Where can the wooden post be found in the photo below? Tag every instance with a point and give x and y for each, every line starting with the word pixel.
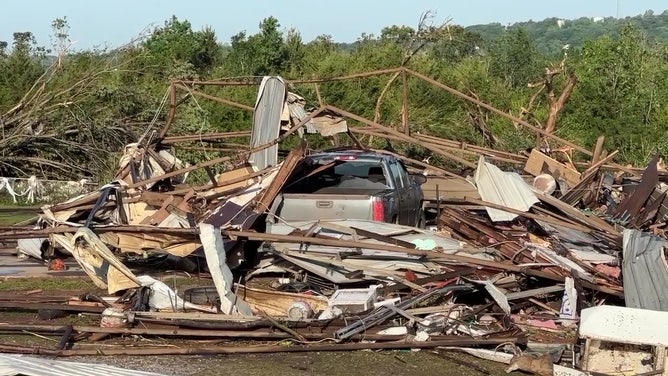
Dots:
pixel 172 110
pixel 317 93
pixel 404 103
pixel 598 149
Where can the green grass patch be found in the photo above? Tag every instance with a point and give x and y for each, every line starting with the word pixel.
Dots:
pixel 46 284
pixel 10 216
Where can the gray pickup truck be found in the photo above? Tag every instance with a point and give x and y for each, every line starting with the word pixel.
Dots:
pixel 351 184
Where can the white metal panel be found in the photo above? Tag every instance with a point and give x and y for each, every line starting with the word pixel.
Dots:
pixel 625 325
pixel 503 188
pixel 13 364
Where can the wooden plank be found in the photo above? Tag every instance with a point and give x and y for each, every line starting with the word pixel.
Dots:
pixel 598 149
pixel 528 215
pixel 590 221
pixel 539 163
pixel 448 188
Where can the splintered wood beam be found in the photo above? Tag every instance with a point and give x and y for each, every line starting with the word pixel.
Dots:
pixel 399 135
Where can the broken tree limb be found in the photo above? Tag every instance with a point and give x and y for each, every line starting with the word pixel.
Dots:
pixel 497 111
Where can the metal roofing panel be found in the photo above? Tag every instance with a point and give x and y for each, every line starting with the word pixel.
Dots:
pixel 645 271
pixel 574 239
pixel 14 364
pixel 267 121
pixel 503 188
pixel 624 325
pixel 409 234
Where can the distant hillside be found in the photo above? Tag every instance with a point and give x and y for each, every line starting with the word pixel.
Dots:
pixel 551 34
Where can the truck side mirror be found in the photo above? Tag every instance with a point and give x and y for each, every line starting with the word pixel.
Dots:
pixel 419 179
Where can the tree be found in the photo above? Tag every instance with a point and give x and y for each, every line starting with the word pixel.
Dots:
pixel 260 54
pixel 516 59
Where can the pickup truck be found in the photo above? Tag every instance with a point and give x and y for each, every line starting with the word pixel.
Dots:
pixel 351 184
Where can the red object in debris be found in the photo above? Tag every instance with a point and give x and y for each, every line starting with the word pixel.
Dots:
pixel 545 324
pixel 57 264
pixel 612 271
pixel 411 276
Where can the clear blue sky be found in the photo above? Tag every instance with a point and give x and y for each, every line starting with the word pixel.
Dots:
pixel 99 23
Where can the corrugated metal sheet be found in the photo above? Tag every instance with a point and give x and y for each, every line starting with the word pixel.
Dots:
pixel 297 112
pixel 13 364
pixel 267 121
pixel 409 234
pixel 316 259
pixel 645 271
pixel 503 188
pixel 574 239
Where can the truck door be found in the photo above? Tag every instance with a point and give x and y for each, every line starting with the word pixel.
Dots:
pixel 413 196
pixel 400 178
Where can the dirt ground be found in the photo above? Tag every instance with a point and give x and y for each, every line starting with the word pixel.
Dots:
pixel 362 363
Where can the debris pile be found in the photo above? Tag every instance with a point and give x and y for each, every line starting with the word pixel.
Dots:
pixel 513 260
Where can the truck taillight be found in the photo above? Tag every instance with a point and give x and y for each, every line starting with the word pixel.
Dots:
pixel 378 210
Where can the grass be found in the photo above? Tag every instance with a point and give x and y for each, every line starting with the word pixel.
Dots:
pixel 46 284
pixel 12 215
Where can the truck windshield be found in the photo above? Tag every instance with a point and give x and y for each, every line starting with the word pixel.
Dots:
pixel 341 175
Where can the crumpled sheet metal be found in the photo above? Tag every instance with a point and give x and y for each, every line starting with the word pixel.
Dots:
pixel 267 121
pixel 502 188
pixel 14 364
pixel 645 271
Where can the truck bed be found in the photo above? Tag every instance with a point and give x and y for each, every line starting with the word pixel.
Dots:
pixel 320 206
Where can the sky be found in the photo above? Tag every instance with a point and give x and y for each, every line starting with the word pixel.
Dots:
pixel 114 23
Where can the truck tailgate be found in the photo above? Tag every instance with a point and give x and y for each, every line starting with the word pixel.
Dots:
pixel 304 207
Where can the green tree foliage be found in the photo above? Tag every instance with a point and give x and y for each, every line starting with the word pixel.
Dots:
pixel 20 67
pixel 262 53
pixel 91 103
pixel 549 38
pixel 515 59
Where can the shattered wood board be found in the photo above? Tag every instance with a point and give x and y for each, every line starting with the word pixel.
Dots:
pixel 380 228
pixel 277 303
pixel 236 210
pixel 539 163
pixel 232 175
pixel 138 243
pixel 428 240
pixel 99 262
pixel 448 188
